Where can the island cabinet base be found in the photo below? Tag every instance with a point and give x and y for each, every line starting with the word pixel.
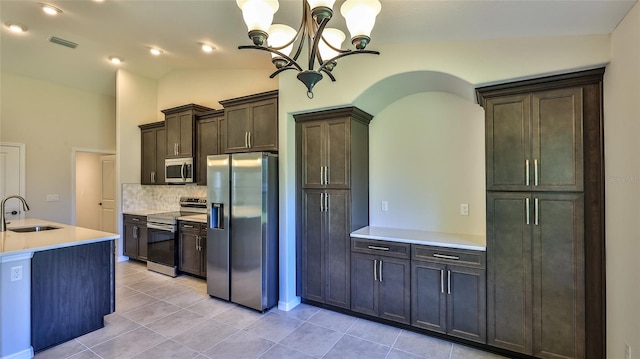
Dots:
pixel 72 289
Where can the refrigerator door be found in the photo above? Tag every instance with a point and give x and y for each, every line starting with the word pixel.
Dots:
pixel 218 229
pixel 253 196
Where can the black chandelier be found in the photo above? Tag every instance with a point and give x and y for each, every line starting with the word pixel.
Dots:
pixel 323 44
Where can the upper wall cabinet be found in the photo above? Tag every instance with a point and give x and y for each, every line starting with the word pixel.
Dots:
pixel 252 123
pixel 153 152
pixel 210 134
pixel 534 141
pixel 180 128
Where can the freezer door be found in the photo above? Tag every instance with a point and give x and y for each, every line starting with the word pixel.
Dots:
pixel 218 229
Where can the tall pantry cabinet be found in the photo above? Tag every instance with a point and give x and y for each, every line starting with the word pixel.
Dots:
pixel 332 199
pixel 545 215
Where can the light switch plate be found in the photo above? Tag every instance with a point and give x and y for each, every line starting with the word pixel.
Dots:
pixel 464 209
pixel 385 206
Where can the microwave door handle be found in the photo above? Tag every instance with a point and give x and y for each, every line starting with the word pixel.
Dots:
pixel 182 171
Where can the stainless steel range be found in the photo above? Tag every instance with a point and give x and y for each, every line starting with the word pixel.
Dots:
pixel 162 240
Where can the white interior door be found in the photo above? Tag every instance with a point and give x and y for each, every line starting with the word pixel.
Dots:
pixel 108 200
pixel 12 174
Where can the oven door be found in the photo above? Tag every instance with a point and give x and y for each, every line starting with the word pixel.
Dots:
pixel 162 247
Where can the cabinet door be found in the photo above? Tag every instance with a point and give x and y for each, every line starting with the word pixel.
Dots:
pixel 364 283
pixel 509 309
pixel 189 254
pixel 337 249
pixel 428 297
pixel 557 140
pixel 312 161
pixel 207 140
pixel 466 303
pixel 203 251
pixel 130 239
pixel 337 158
pixel 142 242
pixel 394 289
pixel 558 276
pixel 160 150
pixel 185 144
pixel 508 143
pixel 148 165
pixel 172 126
pixel 238 126
pixel 264 131
pixel 313 274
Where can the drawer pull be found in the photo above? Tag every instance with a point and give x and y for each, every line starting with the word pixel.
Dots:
pixel 444 256
pixel 187 226
pixel 379 248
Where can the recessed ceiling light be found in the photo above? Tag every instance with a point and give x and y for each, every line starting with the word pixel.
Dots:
pixel 156 51
pixel 116 60
pixel 15 27
pixel 50 9
pixel 207 47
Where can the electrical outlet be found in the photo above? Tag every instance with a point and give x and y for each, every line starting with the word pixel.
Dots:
pixel 385 206
pixel 16 273
pixel 627 351
pixel 464 209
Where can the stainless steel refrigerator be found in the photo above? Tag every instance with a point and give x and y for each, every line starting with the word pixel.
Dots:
pixel 242 231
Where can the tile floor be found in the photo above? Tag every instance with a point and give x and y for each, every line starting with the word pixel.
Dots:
pixel 159 317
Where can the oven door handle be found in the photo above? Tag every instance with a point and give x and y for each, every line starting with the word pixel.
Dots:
pixel 160 227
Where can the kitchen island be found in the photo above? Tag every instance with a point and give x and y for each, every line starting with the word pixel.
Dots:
pixel 55 284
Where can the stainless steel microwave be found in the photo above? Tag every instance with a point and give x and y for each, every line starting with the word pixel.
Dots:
pixel 179 170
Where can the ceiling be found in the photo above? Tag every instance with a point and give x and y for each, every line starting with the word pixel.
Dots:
pixel 127 28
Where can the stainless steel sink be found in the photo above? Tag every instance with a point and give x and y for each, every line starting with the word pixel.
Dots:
pixel 33 229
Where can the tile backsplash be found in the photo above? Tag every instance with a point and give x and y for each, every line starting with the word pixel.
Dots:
pixel 136 197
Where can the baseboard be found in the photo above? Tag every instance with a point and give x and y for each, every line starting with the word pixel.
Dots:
pixel 24 354
pixel 287 306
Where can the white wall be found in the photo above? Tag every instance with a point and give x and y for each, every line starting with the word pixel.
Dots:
pixel 426 158
pixel 52 120
pixel 622 170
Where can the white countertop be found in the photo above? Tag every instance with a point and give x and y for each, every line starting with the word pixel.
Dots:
pixel 12 243
pixel 451 240
pixel 202 218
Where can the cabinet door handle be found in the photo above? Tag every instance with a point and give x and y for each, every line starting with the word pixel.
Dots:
pixel 380 270
pixel 375 269
pixel 535 172
pixel 321 202
pixel 527 205
pixel 526 172
pixel 326 174
pixel 321 175
pixel 246 139
pixel 448 282
pixel 135 232
pixel 378 248
pixel 135 219
pixel 326 202
pixel 441 280
pixel 535 204
pixel 445 256
pixel 250 144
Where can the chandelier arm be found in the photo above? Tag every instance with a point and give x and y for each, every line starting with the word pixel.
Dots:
pixel 278 71
pixel 291 62
pixel 316 41
pixel 333 79
pixel 347 53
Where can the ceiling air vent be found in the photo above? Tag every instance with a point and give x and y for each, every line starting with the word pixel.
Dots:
pixel 63 42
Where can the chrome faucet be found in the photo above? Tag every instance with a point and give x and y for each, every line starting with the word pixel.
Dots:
pixel 25 207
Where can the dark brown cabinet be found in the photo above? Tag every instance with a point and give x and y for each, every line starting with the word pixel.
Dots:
pixel 545 216
pixel 329 213
pixel 380 279
pixel 192 246
pixel 135 236
pixel 210 135
pixel 180 130
pixel 534 141
pixel 252 123
pixel 72 289
pixel 153 143
pixel 326 151
pixel 448 289
pixel 536 273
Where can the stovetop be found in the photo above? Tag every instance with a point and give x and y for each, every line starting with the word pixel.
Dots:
pixel 188 206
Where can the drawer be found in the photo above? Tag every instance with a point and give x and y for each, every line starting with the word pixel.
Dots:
pixel 190 226
pixel 463 257
pixel 132 218
pixel 383 248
